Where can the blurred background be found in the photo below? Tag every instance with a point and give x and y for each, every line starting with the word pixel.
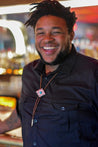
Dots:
pixel 17 48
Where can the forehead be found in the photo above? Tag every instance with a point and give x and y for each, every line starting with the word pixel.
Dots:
pixel 49 20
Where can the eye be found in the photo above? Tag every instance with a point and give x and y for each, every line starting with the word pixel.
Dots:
pixel 40 33
pixel 56 32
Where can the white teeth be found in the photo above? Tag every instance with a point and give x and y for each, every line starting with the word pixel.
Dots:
pixel 48 48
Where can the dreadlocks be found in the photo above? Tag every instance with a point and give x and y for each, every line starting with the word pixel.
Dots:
pixel 49 7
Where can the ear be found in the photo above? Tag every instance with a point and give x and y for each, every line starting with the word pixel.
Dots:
pixel 72 35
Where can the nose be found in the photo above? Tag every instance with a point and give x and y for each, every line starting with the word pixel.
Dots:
pixel 48 38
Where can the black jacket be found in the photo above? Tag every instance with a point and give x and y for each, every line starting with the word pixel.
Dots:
pixel 67 116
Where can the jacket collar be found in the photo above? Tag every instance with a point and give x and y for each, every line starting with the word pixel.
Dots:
pixel 70 60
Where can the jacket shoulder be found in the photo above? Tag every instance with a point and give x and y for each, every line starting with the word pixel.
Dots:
pixel 87 60
pixel 32 64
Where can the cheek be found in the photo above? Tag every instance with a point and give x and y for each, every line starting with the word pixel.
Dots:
pixel 38 40
pixel 63 42
pixel 62 39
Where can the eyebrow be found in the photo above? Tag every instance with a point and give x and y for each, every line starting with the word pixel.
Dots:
pixel 57 28
pixel 38 29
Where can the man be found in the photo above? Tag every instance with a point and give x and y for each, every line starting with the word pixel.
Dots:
pixel 59 99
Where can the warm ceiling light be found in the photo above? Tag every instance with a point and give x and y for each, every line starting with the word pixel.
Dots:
pixel 14 9
pixel 26 8
pixel 81 3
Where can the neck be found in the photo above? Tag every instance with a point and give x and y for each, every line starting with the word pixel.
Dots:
pixel 50 68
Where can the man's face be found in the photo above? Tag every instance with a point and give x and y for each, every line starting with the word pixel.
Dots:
pixel 52 38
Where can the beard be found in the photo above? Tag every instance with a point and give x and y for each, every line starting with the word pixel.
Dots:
pixel 60 57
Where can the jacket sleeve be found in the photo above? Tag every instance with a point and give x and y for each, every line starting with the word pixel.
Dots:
pixel 96 102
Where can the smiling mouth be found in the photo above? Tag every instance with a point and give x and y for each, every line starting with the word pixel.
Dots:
pixel 48 48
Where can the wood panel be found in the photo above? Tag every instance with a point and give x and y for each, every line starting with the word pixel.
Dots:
pixel 18 2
